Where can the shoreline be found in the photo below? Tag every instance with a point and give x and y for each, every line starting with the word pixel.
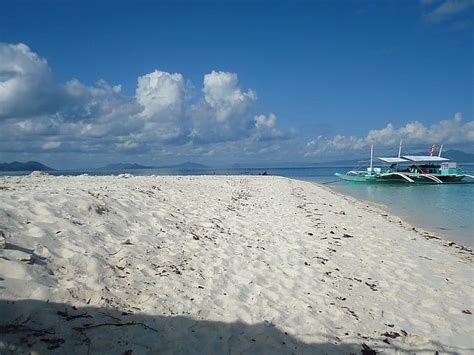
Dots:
pixel 389 212
pixel 417 220
pixel 215 264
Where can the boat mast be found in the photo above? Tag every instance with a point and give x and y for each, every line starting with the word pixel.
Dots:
pixel 371 156
pixel 440 150
pixel 399 152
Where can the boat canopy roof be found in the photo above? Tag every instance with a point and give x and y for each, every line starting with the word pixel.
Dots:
pixel 393 160
pixel 424 158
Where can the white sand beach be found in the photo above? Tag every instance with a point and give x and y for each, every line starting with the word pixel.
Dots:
pixel 221 264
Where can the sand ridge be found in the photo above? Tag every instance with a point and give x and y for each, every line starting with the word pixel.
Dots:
pixel 221 264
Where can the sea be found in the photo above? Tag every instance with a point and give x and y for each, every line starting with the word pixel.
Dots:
pixel 446 210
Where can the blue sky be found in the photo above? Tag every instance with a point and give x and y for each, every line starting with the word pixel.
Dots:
pixel 286 80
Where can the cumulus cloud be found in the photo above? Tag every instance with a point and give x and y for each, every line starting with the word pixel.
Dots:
pixel 266 129
pixel 37 114
pixel 93 102
pixel 33 105
pixel 26 85
pixel 162 96
pixel 264 122
pixel 224 96
pixel 225 111
pixel 160 93
pixel 451 131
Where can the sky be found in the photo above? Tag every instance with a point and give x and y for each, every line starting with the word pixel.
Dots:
pixel 84 84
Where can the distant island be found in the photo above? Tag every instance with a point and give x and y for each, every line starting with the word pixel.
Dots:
pixel 459 156
pixel 453 154
pixel 34 165
pixel 28 166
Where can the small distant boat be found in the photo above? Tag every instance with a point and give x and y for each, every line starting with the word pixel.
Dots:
pixel 420 169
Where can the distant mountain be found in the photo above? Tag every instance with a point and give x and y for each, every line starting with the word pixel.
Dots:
pixel 187 166
pixel 452 154
pixel 459 156
pixel 28 166
pixel 124 166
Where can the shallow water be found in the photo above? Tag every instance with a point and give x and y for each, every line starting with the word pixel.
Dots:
pixel 447 210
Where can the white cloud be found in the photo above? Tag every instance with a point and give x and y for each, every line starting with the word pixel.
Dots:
pixel 452 131
pixel 264 122
pixel 127 145
pixel 26 86
pixel 162 96
pixel 223 95
pixel 266 129
pixel 51 145
pixel 225 111
pixel 164 119
pixel 446 10
pixel 38 114
pixel 160 92
pixel 95 103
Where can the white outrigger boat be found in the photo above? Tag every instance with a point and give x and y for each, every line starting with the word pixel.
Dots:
pixel 418 169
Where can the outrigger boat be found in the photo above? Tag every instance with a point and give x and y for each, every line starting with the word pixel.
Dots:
pixel 421 169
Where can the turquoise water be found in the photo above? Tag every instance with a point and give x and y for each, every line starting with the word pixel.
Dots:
pixel 447 210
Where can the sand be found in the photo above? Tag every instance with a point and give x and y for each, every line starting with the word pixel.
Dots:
pixel 221 264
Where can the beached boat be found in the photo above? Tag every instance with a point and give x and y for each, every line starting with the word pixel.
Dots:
pixel 433 169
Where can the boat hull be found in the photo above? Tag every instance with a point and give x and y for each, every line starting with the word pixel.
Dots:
pixel 392 178
pixel 356 178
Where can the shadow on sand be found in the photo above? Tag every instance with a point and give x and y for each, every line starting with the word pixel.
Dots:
pixel 31 326
pixel 44 327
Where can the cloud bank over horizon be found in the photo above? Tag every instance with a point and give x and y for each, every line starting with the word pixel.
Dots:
pixel 165 119
pixel 38 114
pixel 450 132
